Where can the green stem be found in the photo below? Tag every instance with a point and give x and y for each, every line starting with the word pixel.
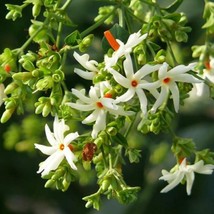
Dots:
pixel 110 157
pixel 121 16
pixel 171 53
pixel 67 3
pixel 97 24
pixel 130 126
pixel 59 35
pixel 22 48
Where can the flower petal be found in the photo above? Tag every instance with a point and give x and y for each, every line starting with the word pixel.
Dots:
pixel 126 96
pixel 60 128
pixel 186 78
pixel 93 93
pixel 161 99
pixel 163 70
pixel 82 107
pixel 70 137
pixel 128 67
pixel 180 69
pixel 92 117
pixel 100 124
pixel 200 168
pixel 120 79
pixel 47 150
pixel 178 177
pixel 50 136
pixel 51 163
pixel 70 157
pixel 84 61
pixel 85 74
pixel 190 176
pixel 145 70
pixel 143 100
pixel 81 95
pixel 175 95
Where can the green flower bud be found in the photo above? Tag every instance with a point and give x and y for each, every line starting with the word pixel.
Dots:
pixel 98 78
pixel 105 184
pixel 45 83
pixel 15 11
pixel 181 36
pixel 46 110
pixel 39 108
pixel 22 76
pixel 89 204
pixel 57 174
pixel 118 89
pixel 50 183
pixel 160 56
pixel 31 56
pixel 36 9
pixel 42 35
pixel 112 131
pixel 11 104
pixel 88 40
pixel 7 115
pixel 141 59
pixel 28 65
pixel 10 88
pixel 37 73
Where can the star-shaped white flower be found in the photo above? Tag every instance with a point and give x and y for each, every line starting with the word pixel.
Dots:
pixel 60 147
pixel 2 94
pixel 187 172
pixel 99 104
pixel 208 74
pixel 135 82
pixel 89 65
pixel 167 82
pixel 123 49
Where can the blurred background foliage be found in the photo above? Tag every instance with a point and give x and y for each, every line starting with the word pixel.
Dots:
pixel 21 188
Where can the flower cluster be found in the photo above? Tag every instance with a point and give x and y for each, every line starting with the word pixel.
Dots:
pixel 138 85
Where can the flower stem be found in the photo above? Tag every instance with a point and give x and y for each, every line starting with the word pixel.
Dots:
pixel 97 24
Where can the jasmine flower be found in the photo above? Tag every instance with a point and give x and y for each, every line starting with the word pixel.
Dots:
pixel 185 172
pixel 167 79
pixel 60 147
pixel 99 105
pixel 135 82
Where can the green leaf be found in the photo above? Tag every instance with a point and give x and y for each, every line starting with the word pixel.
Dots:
pixel 174 6
pixel 72 38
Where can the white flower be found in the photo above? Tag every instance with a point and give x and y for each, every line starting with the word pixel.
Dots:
pixel 208 74
pixel 134 82
pixel 133 40
pixel 167 82
pixel 2 94
pixel 99 105
pixel 89 65
pixel 60 147
pixel 187 172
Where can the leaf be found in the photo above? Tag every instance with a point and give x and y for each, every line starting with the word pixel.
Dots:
pixel 72 38
pixel 174 6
